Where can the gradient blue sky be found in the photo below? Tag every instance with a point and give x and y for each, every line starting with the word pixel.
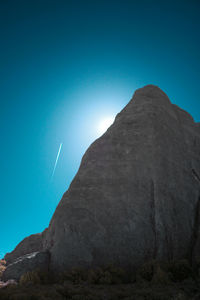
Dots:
pixel 64 66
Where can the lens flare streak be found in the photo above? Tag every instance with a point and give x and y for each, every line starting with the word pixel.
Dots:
pixel 56 161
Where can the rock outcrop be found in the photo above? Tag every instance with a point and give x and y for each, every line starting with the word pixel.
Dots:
pixel 33 243
pixel 136 195
pixel 27 263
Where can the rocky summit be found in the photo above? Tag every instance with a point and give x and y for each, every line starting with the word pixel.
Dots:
pixel 136 195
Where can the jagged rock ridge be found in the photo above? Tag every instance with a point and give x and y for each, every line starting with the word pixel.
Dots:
pixel 136 195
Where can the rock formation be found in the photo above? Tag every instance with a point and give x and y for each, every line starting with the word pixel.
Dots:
pixel 136 195
pixel 33 243
pixel 27 263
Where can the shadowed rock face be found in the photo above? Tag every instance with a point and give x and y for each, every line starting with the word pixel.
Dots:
pixel 136 195
pixel 27 263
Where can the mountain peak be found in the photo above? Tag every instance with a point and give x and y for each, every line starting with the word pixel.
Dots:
pixel 152 92
pixel 135 188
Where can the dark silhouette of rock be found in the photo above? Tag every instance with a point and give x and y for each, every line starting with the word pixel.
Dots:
pixel 136 195
pixel 30 244
pixel 27 263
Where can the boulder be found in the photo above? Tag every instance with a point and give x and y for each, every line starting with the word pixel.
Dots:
pixel 27 263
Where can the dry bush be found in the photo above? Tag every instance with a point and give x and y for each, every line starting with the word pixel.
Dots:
pixel 99 276
pixel 30 277
pixel 2 267
pixel 106 275
pixel 75 275
pixel 36 277
pixel 165 272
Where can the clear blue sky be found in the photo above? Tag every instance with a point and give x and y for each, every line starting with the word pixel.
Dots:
pixel 65 65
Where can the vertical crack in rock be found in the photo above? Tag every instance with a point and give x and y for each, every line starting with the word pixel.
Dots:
pixel 153 219
pixel 196 176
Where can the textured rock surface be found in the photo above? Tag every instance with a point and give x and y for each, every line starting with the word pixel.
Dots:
pixel 30 244
pixel 27 263
pixel 136 195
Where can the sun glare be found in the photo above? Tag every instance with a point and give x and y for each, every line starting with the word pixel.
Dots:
pixel 104 124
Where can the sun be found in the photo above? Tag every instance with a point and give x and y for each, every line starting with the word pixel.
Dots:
pixel 104 124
